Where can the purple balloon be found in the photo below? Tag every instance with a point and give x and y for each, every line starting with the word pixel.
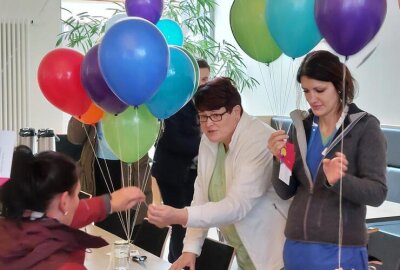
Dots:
pixel 150 10
pixel 96 86
pixel 348 25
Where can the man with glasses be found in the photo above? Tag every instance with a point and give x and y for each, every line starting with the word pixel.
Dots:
pixel 175 162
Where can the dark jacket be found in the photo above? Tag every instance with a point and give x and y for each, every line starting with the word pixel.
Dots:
pixel 178 145
pixel 314 213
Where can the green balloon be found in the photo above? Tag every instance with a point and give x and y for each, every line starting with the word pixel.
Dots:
pixel 131 133
pixel 247 19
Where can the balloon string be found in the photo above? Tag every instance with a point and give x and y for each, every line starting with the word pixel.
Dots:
pixel 273 89
pixel 102 173
pixel 292 84
pixel 340 231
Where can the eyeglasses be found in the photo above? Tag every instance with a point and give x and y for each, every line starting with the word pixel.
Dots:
pixel 215 117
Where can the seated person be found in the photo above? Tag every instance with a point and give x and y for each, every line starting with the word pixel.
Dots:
pixel 41 212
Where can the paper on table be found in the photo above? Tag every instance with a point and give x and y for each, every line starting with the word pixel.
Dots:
pixel 8 141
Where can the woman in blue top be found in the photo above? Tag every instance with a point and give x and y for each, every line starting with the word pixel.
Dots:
pixel 322 164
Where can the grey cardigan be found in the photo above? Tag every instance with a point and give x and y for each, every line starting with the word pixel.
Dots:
pixel 314 213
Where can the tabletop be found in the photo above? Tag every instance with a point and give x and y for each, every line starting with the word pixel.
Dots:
pixel 100 258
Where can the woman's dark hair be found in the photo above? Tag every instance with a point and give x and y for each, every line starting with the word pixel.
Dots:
pixel 216 94
pixel 203 64
pixel 325 66
pixel 35 180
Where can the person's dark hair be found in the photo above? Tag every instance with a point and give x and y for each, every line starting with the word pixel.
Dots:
pixel 203 64
pixel 325 66
pixel 217 93
pixel 35 180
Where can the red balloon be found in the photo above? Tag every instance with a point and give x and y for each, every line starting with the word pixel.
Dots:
pixel 60 81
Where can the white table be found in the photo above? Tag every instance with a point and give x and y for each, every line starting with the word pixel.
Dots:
pixel 386 211
pixel 100 258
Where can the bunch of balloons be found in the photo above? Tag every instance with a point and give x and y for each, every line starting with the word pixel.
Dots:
pixel 137 75
pixel 266 28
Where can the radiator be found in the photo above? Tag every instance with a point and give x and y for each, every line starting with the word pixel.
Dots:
pixel 14 78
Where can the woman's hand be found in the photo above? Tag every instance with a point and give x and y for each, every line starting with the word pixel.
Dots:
pixel 125 198
pixel 187 259
pixel 164 215
pixel 276 142
pixel 335 168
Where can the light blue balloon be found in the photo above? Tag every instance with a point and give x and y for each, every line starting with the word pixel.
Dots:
pixel 177 88
pixel 114 19
pixel 292 25
pixel 171 31
pixel 134 59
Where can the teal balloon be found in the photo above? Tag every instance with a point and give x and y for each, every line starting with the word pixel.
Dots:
pixel 131 133
pixel 196 69
pixel 177 88
pixel 171 31
pixel 293 26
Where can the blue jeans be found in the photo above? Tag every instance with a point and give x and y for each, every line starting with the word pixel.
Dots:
pixel 315 256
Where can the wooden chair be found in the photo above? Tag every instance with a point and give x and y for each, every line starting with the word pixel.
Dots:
pixel 215 255
pixel 151 238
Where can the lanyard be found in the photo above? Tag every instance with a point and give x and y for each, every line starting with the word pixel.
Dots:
pixel 315 128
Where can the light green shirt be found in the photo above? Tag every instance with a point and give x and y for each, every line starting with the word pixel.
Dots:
pixel 217 192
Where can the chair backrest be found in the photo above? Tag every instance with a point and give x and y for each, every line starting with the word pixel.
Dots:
pixel 151 238
pixel 215 255
pixel 392 135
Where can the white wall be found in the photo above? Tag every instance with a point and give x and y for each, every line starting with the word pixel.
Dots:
pixel 378 77
pixel 45 15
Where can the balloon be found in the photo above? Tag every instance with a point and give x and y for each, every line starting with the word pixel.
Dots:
pixel 177 88
pixel 348 25
pixel 248 26
pixel 196 68
pixel 114 19
pixel 59 79
pixel 171 31
pixel 131 133
pixel 133 57
pixel 292 25
pixel 96 86
pixel 91 116
pixel 150 10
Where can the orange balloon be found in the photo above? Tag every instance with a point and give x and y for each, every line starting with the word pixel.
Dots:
pixel 92 115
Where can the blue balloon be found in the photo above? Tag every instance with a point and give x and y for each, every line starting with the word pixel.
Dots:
pixel 292 25
pixel 177 88
pixel 171 31
pixel 134 59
